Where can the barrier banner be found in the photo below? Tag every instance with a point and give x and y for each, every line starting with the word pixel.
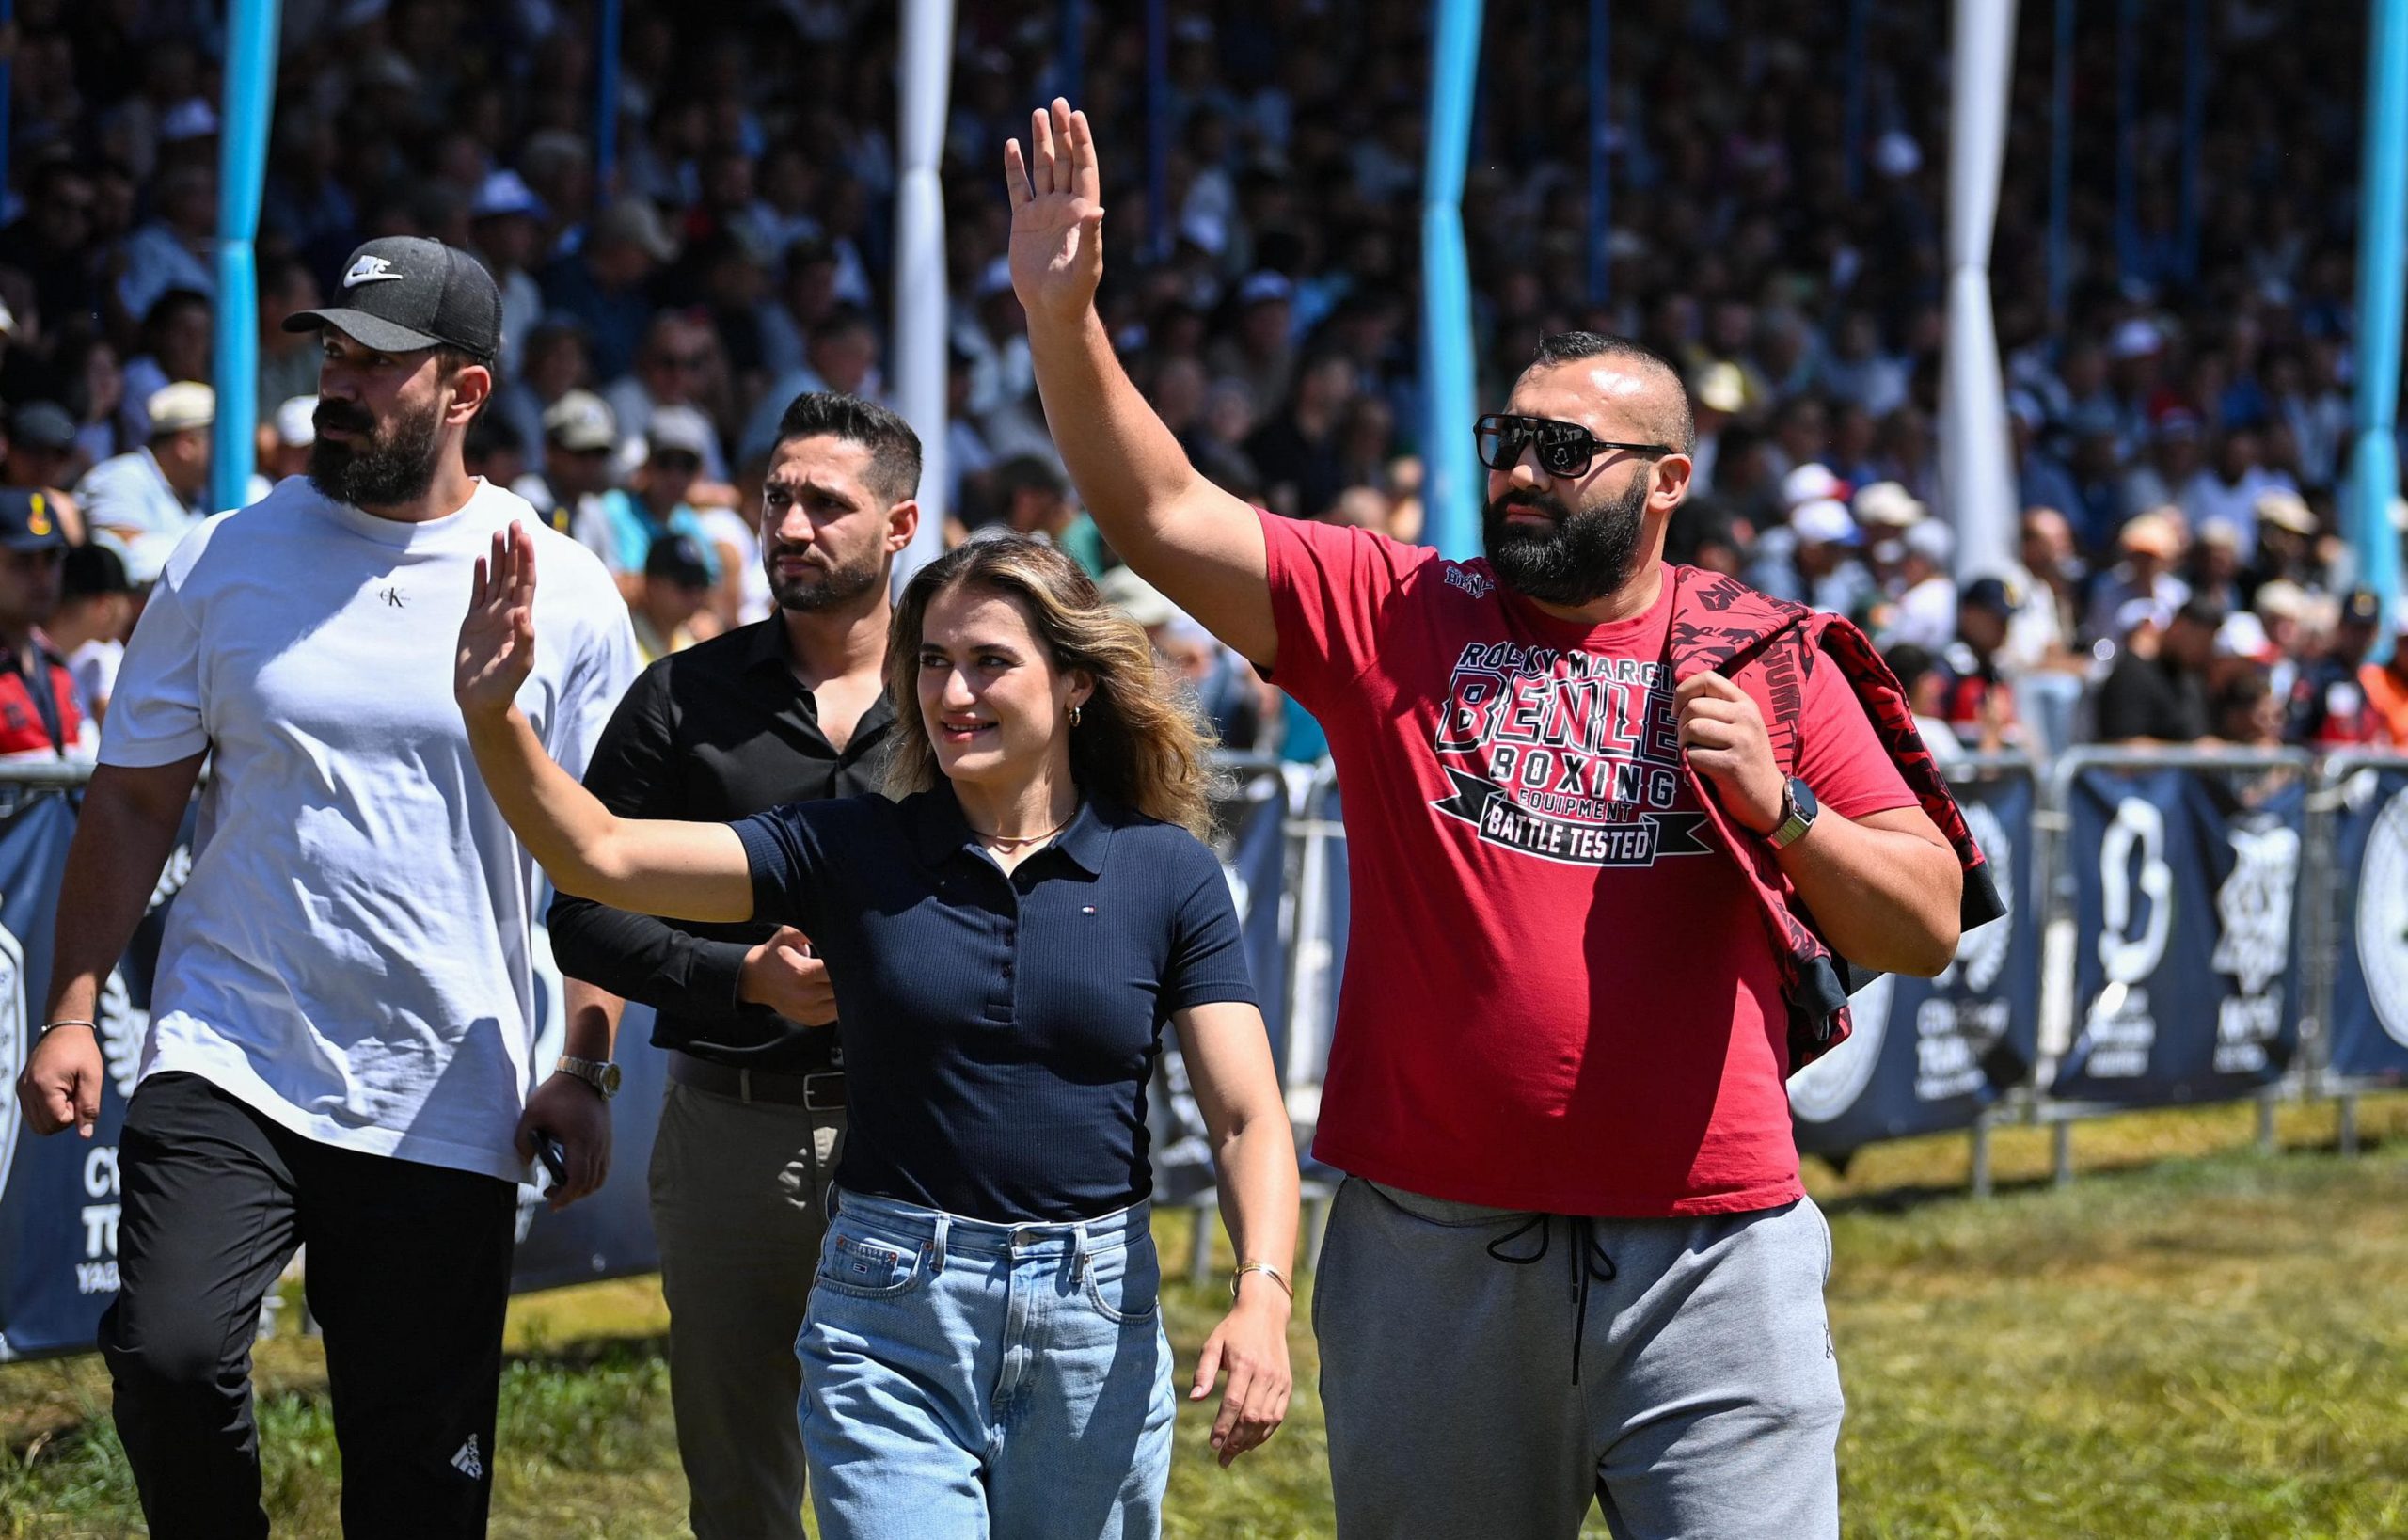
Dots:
pixel 58 1195
pixel 2369 1021
pixel 1255 865
pixel 1928 1055
pixel 2183 981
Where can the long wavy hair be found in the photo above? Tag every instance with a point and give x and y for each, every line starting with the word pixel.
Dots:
pixel 1136 743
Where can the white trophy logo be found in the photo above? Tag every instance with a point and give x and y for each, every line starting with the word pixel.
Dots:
pixel 2383 917
pixel 15 1041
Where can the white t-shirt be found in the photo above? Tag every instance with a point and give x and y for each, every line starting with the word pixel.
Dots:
pixel 1927 615
pixel 350 953
pixel 726 527
pixel 93 667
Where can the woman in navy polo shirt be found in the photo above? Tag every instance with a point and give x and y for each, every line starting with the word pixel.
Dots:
pixel 1006 934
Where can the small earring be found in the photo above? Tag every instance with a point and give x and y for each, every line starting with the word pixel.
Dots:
pixel 1074 713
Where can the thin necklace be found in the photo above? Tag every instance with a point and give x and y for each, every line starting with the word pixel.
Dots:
pixel 1026 839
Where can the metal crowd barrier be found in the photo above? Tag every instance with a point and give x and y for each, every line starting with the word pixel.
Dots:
pixel 1297 933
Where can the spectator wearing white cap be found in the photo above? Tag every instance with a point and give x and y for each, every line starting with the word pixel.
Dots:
pixel 290 433
pixel 1817 564
pixel 581 447
pixel 163 487
pixel 1886 508
pixel 1926 612
pixel 656 504
pixel 506 231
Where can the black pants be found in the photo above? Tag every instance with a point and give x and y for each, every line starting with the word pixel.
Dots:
pixel 409 1273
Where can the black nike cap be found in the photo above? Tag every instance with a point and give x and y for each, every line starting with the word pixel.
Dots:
pixel 403 292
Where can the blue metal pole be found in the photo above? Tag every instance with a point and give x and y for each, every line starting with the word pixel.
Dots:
pixel 2128 108
pixel 1852 99
pixel 1158 220
pixel 2061 164
pixel 1448 391
pixel 1069 57
pixel 2382 242
pixel 1601 184
pixel 605 102
pixel 242 178
pixel 2195 127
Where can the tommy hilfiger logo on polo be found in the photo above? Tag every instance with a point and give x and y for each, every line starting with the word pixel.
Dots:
pixel 469 1462
pixel 371 270
pixel 1567 756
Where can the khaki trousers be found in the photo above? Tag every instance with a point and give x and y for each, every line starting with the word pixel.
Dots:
pixel 738 1206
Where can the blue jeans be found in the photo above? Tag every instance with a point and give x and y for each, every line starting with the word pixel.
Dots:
pixel 967 1380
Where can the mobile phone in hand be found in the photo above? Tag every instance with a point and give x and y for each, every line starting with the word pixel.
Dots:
pixel 555 1157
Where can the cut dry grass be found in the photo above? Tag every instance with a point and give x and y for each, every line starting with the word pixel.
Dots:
pixel 2190 1341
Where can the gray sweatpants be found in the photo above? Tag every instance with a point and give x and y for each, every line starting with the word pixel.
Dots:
pixel 1707 1399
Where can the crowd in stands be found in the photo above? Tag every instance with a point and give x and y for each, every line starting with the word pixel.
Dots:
pixel 2180 421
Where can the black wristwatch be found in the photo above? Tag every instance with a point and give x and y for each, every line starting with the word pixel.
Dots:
pixel 1798 810
pixel 601 1075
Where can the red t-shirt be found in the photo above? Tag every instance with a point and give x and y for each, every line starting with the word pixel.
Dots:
pixel 26 730
pixel 1568 1004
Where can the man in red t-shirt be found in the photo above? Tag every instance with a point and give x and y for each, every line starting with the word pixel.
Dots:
pixel 39 717
pixel 1573 1261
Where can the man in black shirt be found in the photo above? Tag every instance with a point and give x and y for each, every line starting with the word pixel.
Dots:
pixel 787 708
pixel 2157 691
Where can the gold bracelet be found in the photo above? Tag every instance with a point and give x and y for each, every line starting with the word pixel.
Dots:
pixel 1263 1267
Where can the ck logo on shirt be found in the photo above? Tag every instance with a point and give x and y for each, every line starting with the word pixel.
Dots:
pixel 393 597
pixel 1566 756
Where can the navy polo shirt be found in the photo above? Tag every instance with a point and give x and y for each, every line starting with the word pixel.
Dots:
pixel 999 1032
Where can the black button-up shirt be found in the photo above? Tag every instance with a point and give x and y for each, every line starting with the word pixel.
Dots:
pixel 999 1030
pixel 716 732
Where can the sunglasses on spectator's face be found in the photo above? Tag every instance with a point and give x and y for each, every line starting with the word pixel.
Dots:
pixel 682 360
pixel 1564 449
pixel 676 464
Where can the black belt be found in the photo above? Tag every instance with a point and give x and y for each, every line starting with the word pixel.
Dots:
pixel 821 1092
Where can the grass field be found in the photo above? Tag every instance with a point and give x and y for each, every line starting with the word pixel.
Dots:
pixel 2192 1339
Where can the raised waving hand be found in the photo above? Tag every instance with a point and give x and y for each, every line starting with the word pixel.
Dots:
pixel 1057 214
pixel 497 635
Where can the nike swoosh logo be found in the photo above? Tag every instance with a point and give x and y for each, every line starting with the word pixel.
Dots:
pixel 372 277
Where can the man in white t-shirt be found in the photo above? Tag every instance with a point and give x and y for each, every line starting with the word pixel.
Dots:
pixel 342 1025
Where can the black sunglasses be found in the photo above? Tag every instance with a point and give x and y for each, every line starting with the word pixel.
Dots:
pixel 1564 449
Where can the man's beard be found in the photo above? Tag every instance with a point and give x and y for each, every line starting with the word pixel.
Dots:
pixel 392 467
pixel 1584 557
pixel 826 589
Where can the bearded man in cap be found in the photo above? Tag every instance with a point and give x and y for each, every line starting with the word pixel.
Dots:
pixel 342 1039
